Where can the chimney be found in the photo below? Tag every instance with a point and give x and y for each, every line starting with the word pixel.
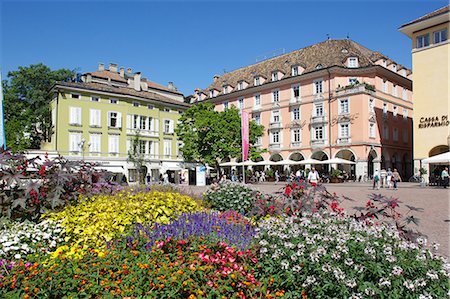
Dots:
pixel 129 71
pixel 101 67
pixel 137 81
pixel 113 67
pixel 88 78
pixel 122 72
pixel 171 86
pixel 144 86
pixel 216 78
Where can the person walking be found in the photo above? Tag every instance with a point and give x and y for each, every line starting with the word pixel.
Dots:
pixel 376 180
pixel 389 178
pixel 382 178
pixel 444 177
pixel 313 177
pixel 263 176
pixel 277 176
pixel 396 178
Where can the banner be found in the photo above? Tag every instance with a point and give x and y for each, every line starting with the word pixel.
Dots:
pixel 2 122
pixel 245 135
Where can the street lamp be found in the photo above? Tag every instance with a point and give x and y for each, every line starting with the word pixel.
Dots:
pixel 83 145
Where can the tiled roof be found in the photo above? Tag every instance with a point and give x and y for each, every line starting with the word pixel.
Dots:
pixel 328 53
pixel 123 91
pixel 108 75
pixel 435 13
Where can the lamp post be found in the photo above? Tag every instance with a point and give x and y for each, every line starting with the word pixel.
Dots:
pixel 83 144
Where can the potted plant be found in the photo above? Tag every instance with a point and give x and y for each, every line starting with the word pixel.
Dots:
pixel 270 174
pixel 335 176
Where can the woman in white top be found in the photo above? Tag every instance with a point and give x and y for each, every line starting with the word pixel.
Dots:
pixel 313 177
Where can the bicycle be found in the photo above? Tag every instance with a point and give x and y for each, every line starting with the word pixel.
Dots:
pixel 415 179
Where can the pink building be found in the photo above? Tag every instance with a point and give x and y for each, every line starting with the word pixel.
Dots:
pixel 332 99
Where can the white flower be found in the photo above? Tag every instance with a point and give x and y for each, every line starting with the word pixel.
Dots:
pixel 17 256
pixel 284 264
pixel 309 281
pixel 369 292
pixel 432 275
pixel 384 282
pixel 397 271
pixel 409 285
pixel 351 283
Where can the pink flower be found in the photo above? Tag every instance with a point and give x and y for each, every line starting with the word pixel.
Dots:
pixel 159 244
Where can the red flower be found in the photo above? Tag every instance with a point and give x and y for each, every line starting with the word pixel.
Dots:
pixel 288 191
pixel 42 170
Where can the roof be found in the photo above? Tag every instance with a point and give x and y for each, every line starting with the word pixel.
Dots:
pixel 327 54
pixel 435 13
pixel 148 95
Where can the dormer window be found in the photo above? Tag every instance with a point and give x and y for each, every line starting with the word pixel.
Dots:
pixel 394 67
pixel 226 89
pixel 257 81
pixel 384 63
pixel 295 70
pixel 352 62
pixel 274 76
pixel 211 93
pixel 319 66
pixel 241 85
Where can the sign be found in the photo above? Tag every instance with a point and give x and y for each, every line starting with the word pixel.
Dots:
pixel 2 123
pixel 245 135
pixel 200 174
pixel 432 122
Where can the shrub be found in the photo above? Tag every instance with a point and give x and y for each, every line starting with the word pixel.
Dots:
pixel 19 239
pixel 173 269
pixel 337 256
pixel 230 196
pixel 105 217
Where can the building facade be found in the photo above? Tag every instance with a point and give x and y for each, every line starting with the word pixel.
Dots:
pixel 332 99
pixel 430 61
pixel 111 113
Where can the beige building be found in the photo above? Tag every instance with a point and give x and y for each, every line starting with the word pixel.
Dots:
pixel 430 64
pixel 334 99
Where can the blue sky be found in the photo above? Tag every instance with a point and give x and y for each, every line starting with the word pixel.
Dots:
pixel 188 42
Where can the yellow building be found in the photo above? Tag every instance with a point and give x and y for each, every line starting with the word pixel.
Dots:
pixel 430 65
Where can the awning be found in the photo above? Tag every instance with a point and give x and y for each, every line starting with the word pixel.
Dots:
pixel 441 159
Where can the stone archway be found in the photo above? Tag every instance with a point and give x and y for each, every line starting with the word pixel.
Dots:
pixel 276 158
pixel 347 154
pixel 435 170
pixel 370 163
pixel 296 156
pixel 321 156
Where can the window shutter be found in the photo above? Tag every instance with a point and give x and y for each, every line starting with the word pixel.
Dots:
pixel 129 116
pixel 128 145
pixel 119 120
pixel 171 127
pixel 78 115
pixel 156 146
pixel 156 122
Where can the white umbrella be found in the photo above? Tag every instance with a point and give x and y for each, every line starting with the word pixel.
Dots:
pixel 290 162
pixel 247 163
pixel 273 162
pixel 338 161
pixel 229 164
pixel 442 159
pixel 310 161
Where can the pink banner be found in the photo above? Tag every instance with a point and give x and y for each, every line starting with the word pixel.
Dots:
pixel 245 135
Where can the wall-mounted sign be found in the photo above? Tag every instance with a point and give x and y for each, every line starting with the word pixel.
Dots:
pixel 432 122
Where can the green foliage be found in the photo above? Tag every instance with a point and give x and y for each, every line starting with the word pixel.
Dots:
pixel 99 219
pixel 231 196
pixel 335 173
pixel 209 136
pixel 26 105
pixel 422 171
pixel 136 157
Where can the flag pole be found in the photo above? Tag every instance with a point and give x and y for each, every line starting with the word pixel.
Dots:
pixel 245 140
pixel 2 118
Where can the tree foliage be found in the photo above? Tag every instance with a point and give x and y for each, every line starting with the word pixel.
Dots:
pixel 26 105
pixel 209 136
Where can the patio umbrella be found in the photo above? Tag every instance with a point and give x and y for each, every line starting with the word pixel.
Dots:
pixel 247 163
pixel 229 164
pixel 338 161
pixel 441 159
pixel 310 161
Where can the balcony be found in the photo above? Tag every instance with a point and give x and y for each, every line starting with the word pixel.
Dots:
pixel 318 97
pixel 276 104
pixel 319 119
pixel 296 144
pixel 274 147
pixel 143 133
pixel 318 142
pixel 256 108
pixel 295 101
pixel 275 126
pixel 295 124
pixel 355 88
pixel 343 140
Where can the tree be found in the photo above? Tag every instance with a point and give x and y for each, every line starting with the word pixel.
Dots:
pixel 136 156
pixel 26 105
pixel 209 136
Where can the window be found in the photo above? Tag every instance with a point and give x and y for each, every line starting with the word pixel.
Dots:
pixel 404 94
pixel 343 106
pixel 394 89
pixel 276 116
pixel 113 101
pixel 353 62
pixel 405 114
pixel 275 96
pixel 142 147
pixel 94 118
pixel 114 119
pixel 257 81
pixel 296 91
pixel 318 87
pixel 96 141
pixel 151 107
pixel 166 109
pixel 371 130
pixel 274 76
pixel 143 123
pixel 385 109
pixel 257 100
pixel 75 96
pixel 225 105
pixel 135 122
pixel 422 41
pixel 167 148
pixel 318 133
pixel 276 137
pixel 241 103
pixel 74 142
pixel 371 105
pixel 385 132
pixel 257 118
pixel 211 93
pixel 154 149
pixel 135 104
pixel 296 135
pixel 395 134
pixel 75 115
pixel 344 130
pixel 385 86
pixel 225 89
pixel 113 141
pixel 318 111
pixel 405 136
pixel 167 126
pixel 240 85
pixel 95 99
pixel 395 111
pixel 384 63
pixel 296 113
pixel 258 141
pixel 295 71
pixel 440 36
pixel 352 81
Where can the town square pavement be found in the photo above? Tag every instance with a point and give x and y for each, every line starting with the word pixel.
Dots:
pixel 434 217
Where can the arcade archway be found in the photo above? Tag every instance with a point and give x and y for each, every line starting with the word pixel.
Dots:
pixel 321 156
pixel 348 168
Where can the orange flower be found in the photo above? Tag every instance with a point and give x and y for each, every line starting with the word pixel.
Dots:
pixel 26 296
pixel 191 296
pixel 36 290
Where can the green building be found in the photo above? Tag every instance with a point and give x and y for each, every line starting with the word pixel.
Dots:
pixel 111 112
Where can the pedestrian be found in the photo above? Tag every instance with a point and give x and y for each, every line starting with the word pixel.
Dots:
pixel 382 179
pixel 396 178
pixel 298 175
pixel 376 180
pixel 257 174
pixel 263 176
pixel 166 178
pixel 444 177
pixel 313 177
pixel 277 176
pixel 389 178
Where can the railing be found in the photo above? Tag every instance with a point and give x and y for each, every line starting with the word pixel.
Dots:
pixel 318 119
pixel 275 125
pixel 144 133
pixel 355 89
pixel 318 142
pixel 274 146
pixel 296 144
pixel 344 140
